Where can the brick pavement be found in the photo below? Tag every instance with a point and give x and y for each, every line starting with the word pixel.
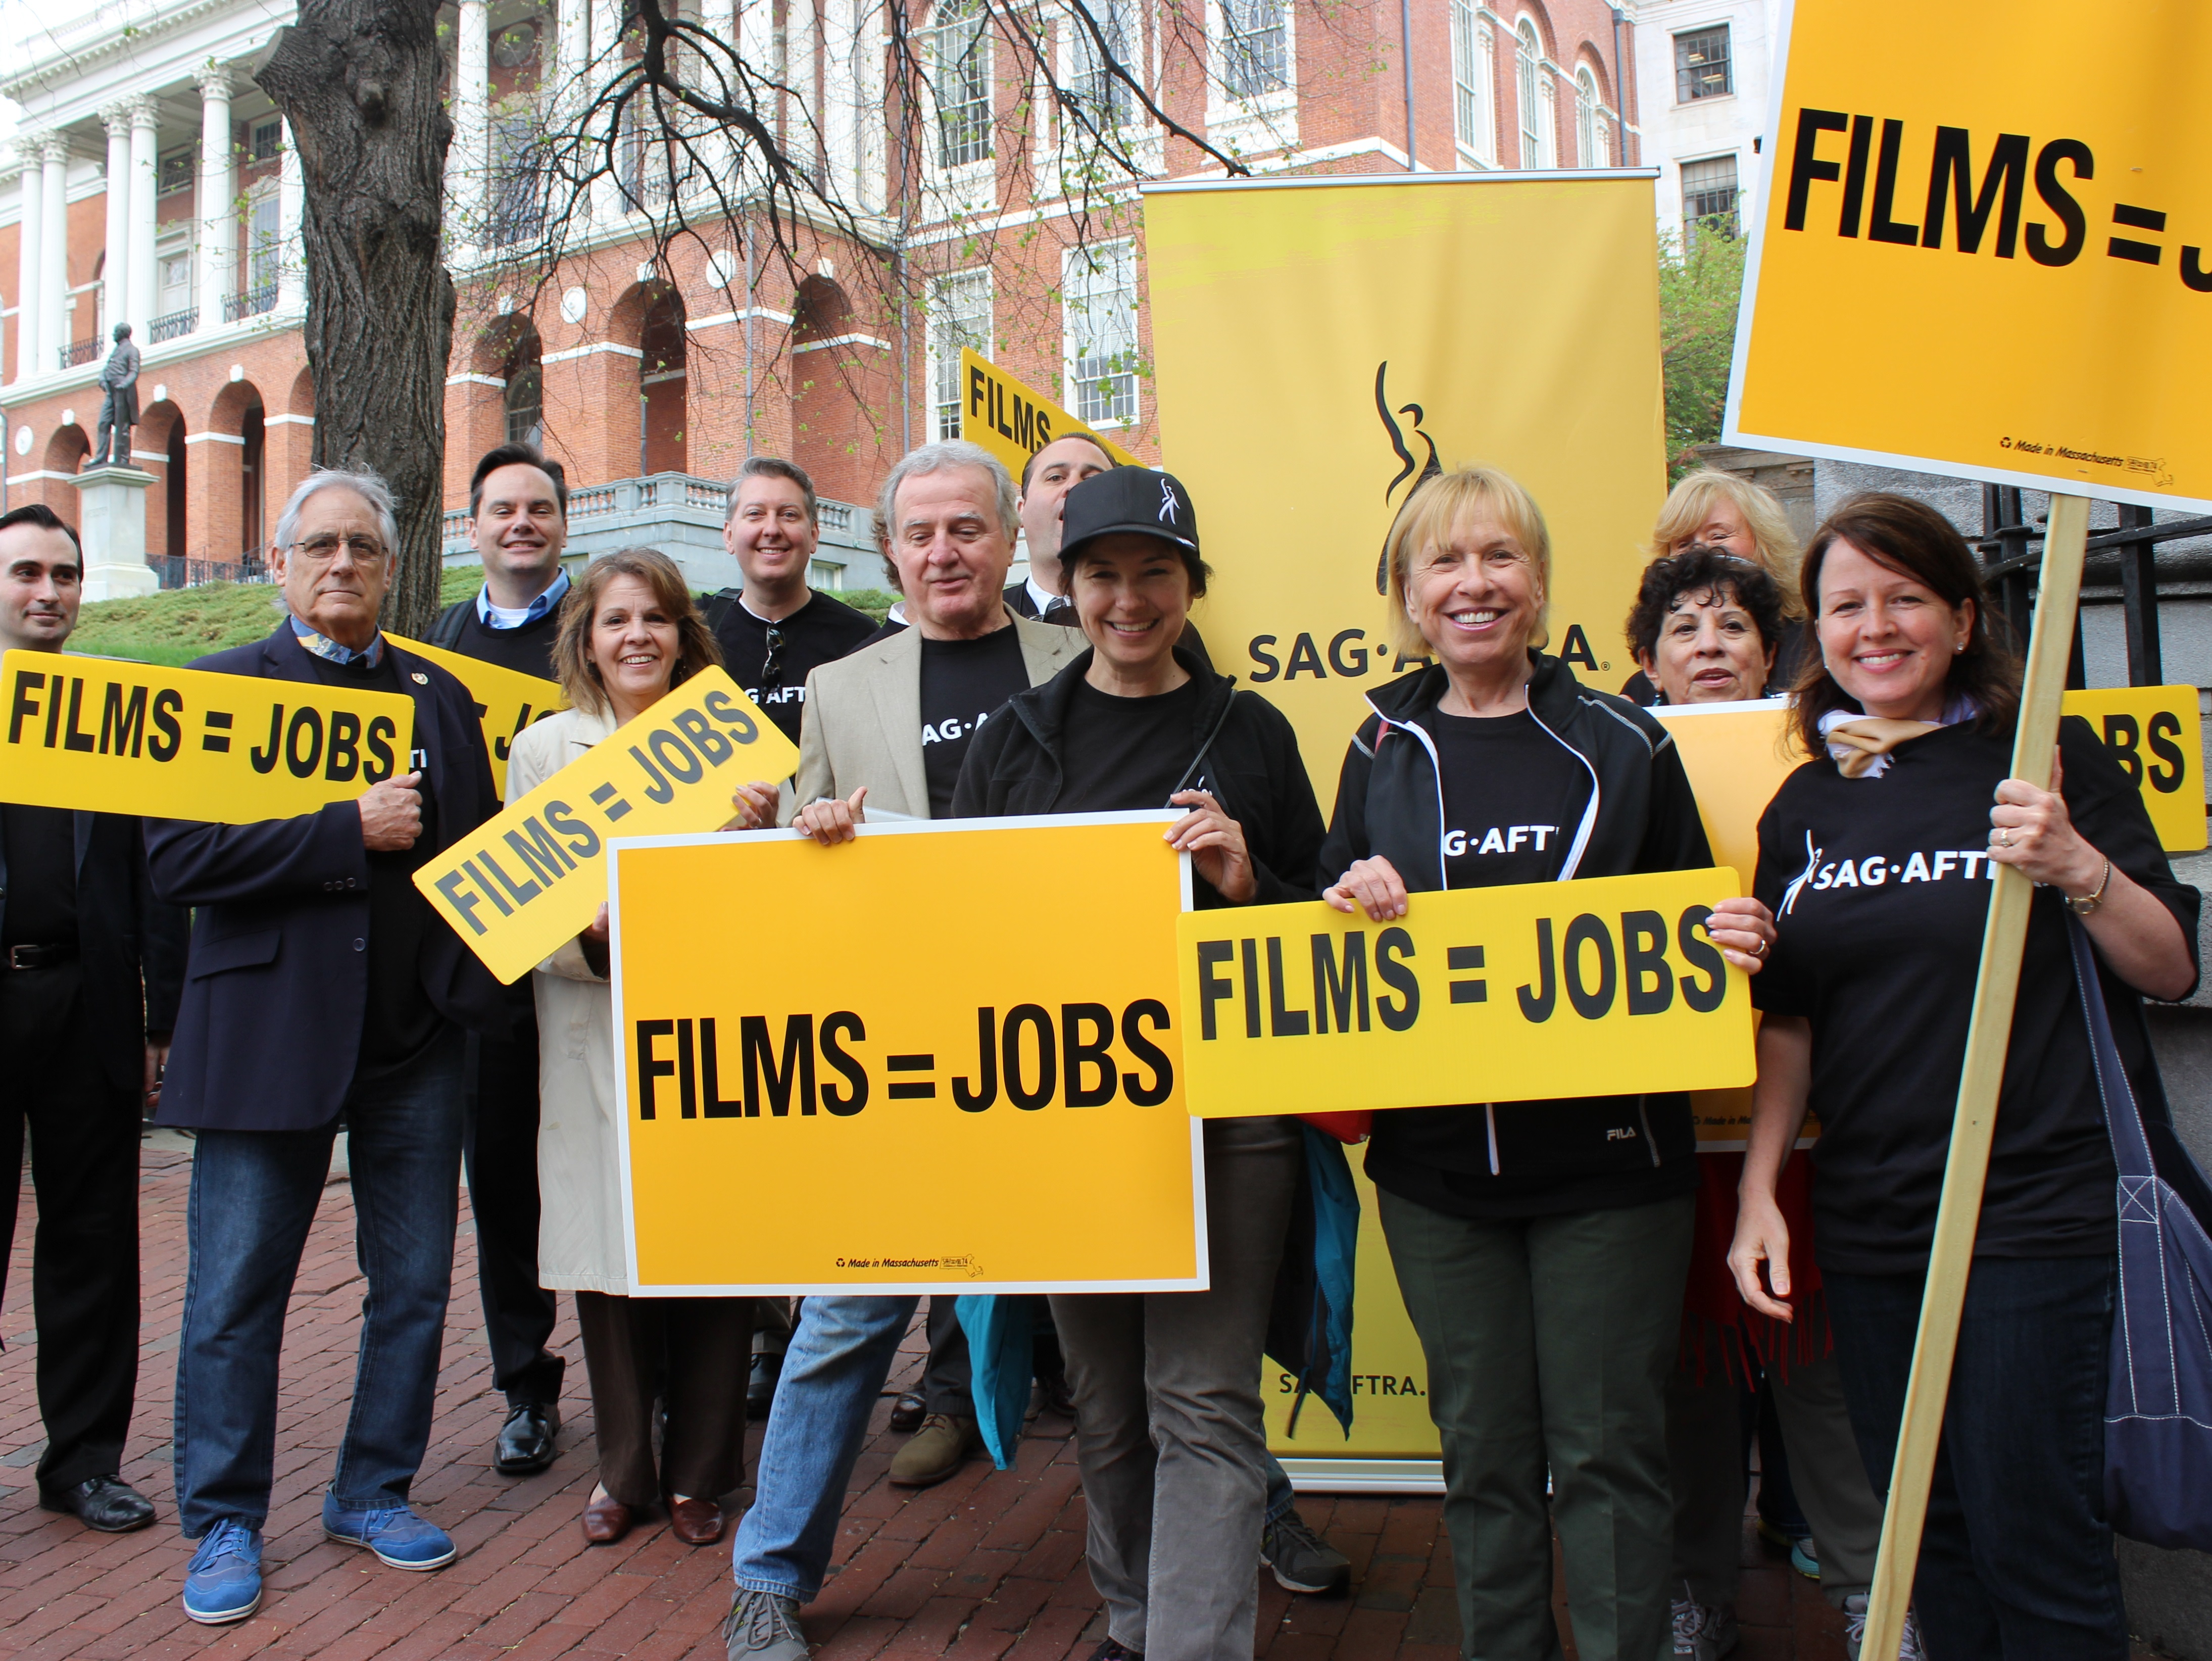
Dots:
pixel 987 1566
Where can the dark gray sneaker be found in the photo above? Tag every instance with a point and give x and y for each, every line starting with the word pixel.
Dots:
pixel 1703 1631
pixel 1301 1559
pixel 763 1627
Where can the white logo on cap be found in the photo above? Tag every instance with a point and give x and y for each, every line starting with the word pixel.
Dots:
pixel 1167 501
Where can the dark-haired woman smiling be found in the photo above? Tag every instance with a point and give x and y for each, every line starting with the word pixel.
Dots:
pixel 1875 856
pixel 1168 1431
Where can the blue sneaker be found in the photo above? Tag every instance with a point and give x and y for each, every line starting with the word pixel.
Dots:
pixel 1805 1558
pixel 224 1581
pixel 400 1539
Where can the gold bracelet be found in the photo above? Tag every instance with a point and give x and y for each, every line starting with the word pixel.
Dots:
pixel 2088 903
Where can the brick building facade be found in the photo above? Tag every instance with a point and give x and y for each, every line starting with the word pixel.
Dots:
pixel 152 181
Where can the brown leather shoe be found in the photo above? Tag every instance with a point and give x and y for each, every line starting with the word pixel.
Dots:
pixel 694 1522
pixel 607 1520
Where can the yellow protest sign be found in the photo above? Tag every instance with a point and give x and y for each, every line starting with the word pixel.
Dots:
pixel 1956 244
pixel 1012 420
pixel 521 884
pixel 933 1090
pixel 111 736
pixel 1600 988
pixel 507 699
pixel 1511 321
pixel 2156 734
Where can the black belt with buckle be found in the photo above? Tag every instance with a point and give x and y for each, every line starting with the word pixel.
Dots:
pixel 39 956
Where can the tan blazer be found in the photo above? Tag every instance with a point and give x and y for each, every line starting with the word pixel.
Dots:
pixel 863 721
pixel 579 1218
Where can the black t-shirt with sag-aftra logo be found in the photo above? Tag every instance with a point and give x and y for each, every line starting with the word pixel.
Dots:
pixel 1881 887
pixel 1513 796
pixel 963 682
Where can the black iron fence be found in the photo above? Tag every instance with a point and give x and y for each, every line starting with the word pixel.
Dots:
pixel 252 304
pixel 2010 563
pixel 174 326
pixel 184 572
pixel 79 351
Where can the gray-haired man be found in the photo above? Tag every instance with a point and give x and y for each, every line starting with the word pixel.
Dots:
pixel 888 725
pixel 319 982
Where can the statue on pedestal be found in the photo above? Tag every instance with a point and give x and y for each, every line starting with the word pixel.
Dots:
pixel 118 411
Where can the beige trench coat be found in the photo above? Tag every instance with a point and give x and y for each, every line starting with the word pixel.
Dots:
pixel 579 1230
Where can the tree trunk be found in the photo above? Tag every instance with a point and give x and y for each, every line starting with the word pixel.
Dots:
pixel 358 83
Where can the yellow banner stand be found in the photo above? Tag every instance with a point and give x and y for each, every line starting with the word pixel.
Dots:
pixel 952 1130
pixel 507 699
pixel 535 876
pixel 110 736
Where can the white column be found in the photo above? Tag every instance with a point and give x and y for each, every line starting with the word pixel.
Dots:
pixel 468 162
pixel 215 202
pixel 115 270
pixel 29 259
pixel 145 164
pixel 605 61
pixel 840 120
pixel 53 251
pixel 291 252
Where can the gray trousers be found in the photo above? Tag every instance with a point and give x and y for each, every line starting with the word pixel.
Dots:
pixel 1548 1341
pixel 1704 1449
pixel 1169 1435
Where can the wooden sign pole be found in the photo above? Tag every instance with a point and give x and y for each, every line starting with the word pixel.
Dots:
pixel 2049 645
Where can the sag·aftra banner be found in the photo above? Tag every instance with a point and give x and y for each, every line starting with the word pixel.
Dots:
pixel 1011 419
pixel 1603 988
pixel 521 884
pixel 1507 320
pixel 1990 254
pixel 953 1092
pixel 113 737
pixel 507 699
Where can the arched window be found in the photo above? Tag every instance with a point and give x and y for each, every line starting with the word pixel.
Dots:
pixel 1589 122
pixel 1532 88
pixel 525 400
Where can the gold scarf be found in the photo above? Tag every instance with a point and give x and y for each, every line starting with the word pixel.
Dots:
pixel 1859 742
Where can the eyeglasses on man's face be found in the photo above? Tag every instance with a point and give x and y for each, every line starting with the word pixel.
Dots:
pixel 322 550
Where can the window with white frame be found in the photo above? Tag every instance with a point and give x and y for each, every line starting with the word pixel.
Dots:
pixel 1106 98
pixel 1532 82
pixel 1590 147
pixel 1702 68
pixel 1473 72
pixel 175 274
pixel 1709 196
pixel 960 80
pixel 264 241
pixel 959 315
pixel 1099 319
pixel 1256 48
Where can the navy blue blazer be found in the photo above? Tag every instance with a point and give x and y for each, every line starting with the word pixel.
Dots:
pixel 129 945
pixel 278 977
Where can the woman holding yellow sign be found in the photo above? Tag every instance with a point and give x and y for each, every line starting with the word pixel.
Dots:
pixel 629 636
pixel 1877 857
pixel 1541 1246
pixel 1168 1425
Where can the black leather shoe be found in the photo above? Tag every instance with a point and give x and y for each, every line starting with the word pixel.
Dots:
pixel 106 1503
pixel 907 1412
pixel 526 1441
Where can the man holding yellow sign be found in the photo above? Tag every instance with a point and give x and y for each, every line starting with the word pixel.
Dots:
pixel 1541 1246
pixel 319 982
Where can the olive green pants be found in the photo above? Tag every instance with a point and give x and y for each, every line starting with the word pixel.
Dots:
pixel 1549 1341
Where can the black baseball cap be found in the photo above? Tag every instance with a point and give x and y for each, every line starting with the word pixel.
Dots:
pixel 1141 500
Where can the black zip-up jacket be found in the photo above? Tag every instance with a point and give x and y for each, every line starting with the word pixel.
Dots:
pixel 1525 1158
pixel 1244 753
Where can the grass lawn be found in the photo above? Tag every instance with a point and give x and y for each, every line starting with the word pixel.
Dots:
pixel 179 625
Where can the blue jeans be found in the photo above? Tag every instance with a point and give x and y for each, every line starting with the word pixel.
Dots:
pixel 253 1197
pixel 2016 1560
pixel 833 1373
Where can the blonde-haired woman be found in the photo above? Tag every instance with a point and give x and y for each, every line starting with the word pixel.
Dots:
pixel 1712 509
pixel 628 635
pixel 1541 1246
